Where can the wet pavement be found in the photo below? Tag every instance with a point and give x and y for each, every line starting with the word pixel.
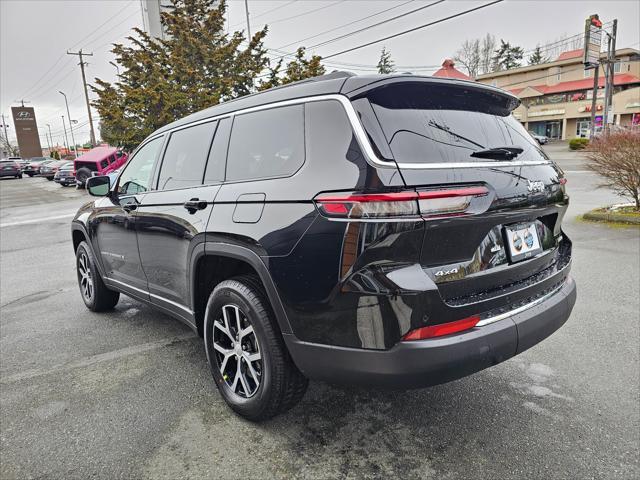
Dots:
pixel 128 394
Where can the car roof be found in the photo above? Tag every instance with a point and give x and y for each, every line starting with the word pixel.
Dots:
pixel 96 154
pixel 338 82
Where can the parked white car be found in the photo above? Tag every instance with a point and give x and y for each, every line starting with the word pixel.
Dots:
pixel 541 139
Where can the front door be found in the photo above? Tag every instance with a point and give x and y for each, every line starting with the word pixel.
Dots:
pixel 115 222
pixel 172 219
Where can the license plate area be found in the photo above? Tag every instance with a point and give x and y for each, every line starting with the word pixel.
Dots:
pixel 522 241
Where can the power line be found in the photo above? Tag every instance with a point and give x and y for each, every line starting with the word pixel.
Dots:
pixel 93 31
pixel 419 27
pixel 81 40
pixel 355 32
pixel 345 25
pixel 264 13
pixel 305 13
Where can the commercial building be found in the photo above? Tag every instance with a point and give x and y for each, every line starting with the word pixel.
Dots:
pixel 556 96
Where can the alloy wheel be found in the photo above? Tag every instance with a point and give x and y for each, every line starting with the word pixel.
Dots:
pixel 84 276
pixel 237 351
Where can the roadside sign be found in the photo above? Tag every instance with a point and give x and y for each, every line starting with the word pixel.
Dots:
pixel 592 42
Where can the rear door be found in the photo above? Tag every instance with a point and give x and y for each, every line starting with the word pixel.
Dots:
pixel 492 215
pixel 173 217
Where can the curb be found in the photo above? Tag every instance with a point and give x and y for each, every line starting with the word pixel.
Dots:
pixel 612 217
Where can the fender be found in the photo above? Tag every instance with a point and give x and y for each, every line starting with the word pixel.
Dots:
pixel 81 227
pixel 249 256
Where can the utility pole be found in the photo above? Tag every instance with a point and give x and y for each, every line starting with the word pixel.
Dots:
pixel 50 136
pixel 86 93
pixel 594 97
pixel 246 9
pixel 610 80
pixel 65 134
pixel 75 147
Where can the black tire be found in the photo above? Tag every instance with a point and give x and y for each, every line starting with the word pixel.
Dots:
pixel 281 385
pixel 50 178
pixel 30 174
pixel 96 296
pixel 82 174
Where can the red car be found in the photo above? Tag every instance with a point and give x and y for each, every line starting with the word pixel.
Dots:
pixel 98 161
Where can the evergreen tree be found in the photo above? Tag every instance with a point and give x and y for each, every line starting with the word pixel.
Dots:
pixel 197 66
pixel 385 64
pixel 297 69
pixel 536 58
pixel 507 57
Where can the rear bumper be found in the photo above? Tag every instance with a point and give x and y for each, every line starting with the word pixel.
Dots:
pixel 9 173
pixel 423 363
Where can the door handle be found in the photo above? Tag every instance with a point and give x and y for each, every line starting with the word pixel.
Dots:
pixel 129 207
pixel 195 204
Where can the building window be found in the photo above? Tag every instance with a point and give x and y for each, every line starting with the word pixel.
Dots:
pixel 588 73
pixel 616 67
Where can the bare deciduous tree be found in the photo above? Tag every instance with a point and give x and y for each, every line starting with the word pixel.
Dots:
pixel 487 47
pixel 469 57
pixel 616 158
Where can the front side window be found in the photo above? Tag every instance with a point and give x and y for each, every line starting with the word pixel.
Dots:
pixel 136 176
pixel 185 157
pixel 266 144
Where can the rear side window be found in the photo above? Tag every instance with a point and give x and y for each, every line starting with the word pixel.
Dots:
pixel 435 123
pixel 218 153
pixel 185 157
pixel 104 163
pixel 266 144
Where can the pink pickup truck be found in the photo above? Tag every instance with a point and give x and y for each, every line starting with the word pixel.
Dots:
pixel 98 161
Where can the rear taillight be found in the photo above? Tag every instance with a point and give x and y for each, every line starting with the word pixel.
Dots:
pixel 425 203
pixel 442 329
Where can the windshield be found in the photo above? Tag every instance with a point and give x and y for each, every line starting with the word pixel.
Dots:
pixel 429 124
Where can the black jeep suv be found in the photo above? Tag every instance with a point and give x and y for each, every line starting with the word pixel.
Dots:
pixel 392 231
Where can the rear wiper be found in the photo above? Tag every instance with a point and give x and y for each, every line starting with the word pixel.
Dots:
pixel 499 153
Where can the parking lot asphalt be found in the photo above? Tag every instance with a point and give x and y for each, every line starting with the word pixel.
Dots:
pixel 128 394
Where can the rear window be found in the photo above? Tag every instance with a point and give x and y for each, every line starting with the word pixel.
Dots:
pixel 434 123
pixel 266 144
pixel 89 165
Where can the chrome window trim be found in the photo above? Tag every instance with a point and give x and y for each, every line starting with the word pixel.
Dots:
pixel 361 136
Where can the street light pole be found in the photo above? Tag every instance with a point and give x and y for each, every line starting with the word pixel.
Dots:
pixel 48 142
pixel 65 133
pixel 75 147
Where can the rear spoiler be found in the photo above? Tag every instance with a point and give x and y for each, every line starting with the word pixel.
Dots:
pixel 442 93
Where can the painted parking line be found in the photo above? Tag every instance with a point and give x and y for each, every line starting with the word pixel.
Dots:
pixel 37 220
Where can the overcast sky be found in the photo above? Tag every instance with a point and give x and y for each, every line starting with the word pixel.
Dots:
pixel 35 35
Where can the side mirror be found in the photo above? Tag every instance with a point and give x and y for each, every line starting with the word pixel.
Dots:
pixel 98 186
